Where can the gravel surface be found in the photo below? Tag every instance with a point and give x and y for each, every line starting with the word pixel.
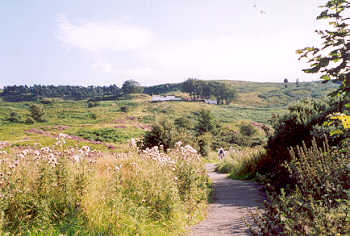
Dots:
pixel 232 200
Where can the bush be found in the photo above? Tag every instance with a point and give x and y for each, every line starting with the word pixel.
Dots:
pixel 29 121
pixel 227 137
pixel 204 144
pixel 162 134
pixel 125 109
pixel 247 130
pixel 320 203
pixel 291 129
pixel 91 103
pixel 37 112
pixel 206 122
pixel 14 117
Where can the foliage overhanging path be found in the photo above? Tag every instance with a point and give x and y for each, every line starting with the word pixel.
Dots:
pixel 232 200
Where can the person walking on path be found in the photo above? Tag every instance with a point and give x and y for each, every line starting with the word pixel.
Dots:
pixel 221 154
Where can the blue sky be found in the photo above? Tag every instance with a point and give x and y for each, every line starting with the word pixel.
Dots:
pixel 90 42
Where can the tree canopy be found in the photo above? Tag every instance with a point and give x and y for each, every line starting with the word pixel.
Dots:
pixel 131 86
pixel 205 89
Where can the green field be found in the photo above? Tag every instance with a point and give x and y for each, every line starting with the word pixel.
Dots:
pixel 255 102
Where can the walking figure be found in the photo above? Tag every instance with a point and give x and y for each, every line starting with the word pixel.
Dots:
pixel 221 154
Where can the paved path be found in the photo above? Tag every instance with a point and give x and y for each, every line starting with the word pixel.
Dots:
pixel 232 201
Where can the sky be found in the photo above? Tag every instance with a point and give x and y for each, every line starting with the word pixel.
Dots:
pixel 104 42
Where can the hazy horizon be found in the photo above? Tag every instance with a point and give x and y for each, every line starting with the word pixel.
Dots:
pixel 84 43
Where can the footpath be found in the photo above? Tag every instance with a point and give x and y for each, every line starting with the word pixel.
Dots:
pixel 232 200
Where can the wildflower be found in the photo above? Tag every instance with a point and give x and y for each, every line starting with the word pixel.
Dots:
pixel 45 150
pixel 85 149
pixel 20 155
pixel 37 153
pixel 61 139
pixel 76 158
pixel 133 143
pixel 178 144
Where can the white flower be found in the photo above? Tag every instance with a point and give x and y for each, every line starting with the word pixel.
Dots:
pixel 20 155
pixel 85 149
pixel 76 158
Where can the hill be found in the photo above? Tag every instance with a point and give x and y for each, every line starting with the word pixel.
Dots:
pixel 256 94
pixel 110 123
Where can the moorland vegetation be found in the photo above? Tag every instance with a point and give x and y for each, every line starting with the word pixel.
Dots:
pixel 67 165
pixel 64 180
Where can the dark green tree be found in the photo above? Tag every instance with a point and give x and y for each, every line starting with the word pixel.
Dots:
pixel 223 93
pixel 163 133
pixel 204 143
pixel 206 122
pixel 131 86
pixel 191 87
pixel 37 112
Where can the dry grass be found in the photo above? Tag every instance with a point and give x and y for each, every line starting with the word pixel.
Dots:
pixel 64 189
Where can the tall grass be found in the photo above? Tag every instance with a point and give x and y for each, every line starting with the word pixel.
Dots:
pixel 242 164
pixel 68 190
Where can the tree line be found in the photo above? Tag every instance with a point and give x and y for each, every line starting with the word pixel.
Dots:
pixel 32 93
pixel 197 89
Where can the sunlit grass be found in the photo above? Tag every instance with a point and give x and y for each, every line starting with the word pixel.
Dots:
pixel 241 164
pixel 63 189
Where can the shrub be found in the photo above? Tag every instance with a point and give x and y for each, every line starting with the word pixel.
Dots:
pixel 162 134
pixel 291 129
pixel 204 144
pixel 125 109
pixel 206 122
pixel 320 203
pixel 247 130
pixel 14 117
pixel 37 112
pixel 227 137
pixel 29 121
pixel 92 103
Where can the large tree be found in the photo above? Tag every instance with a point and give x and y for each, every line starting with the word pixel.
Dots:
pixel 223 92
pixel 332 58
pixel 131 86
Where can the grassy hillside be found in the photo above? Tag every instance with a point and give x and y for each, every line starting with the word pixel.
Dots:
pixel 75 118
pixel 256 94
pixel 133 116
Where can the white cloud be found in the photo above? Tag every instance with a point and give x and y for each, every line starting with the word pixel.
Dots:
pixel 240 57
pixel 103 67
pixel 122 51
pixel 102 36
